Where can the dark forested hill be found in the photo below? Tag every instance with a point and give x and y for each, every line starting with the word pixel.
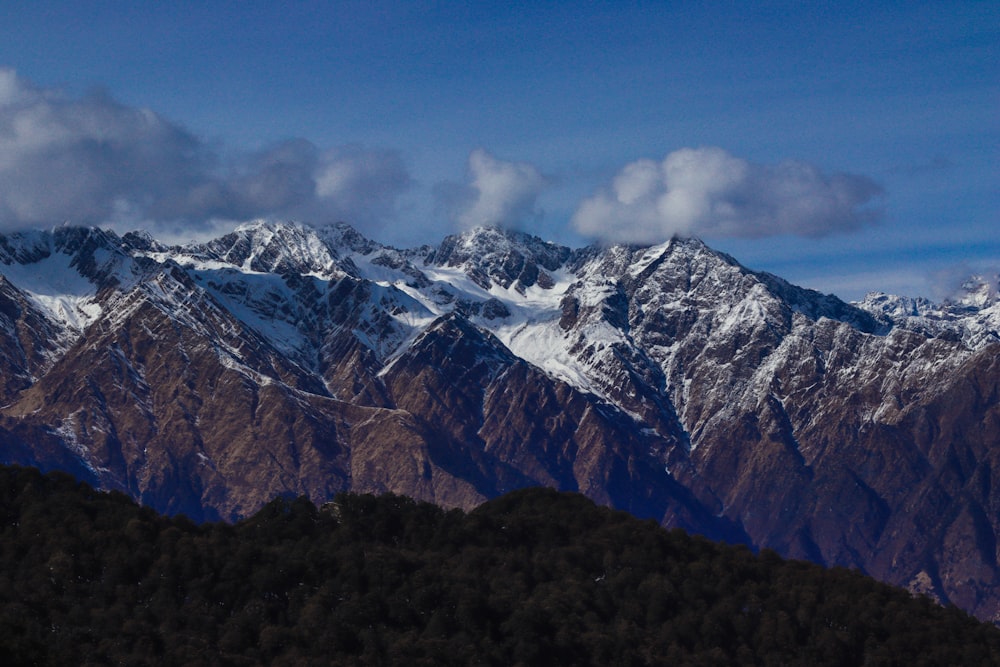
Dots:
pixel 534 577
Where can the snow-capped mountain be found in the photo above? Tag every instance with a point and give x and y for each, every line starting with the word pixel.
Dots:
pixel 666 380
pixel 973 315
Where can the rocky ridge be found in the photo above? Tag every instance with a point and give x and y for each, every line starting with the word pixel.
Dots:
pixel 666 380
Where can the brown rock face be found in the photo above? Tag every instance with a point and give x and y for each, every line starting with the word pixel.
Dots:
pixel 668 381
pixel 27 341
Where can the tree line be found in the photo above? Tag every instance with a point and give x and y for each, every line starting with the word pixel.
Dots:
pixel 535 577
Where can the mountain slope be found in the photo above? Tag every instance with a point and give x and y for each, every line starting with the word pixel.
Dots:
pixel 666 380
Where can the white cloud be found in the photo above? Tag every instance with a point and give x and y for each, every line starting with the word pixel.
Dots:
pixel 294 179
pixel 83 159
pixel 709 192
pixel 92 160
pixel 360 185
pixel 499 192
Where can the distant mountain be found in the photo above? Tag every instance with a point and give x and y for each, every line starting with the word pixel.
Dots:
pixel 668 381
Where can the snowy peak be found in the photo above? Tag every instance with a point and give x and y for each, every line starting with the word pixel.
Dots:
pixel 972 315
pixel 500 278
pixel 269 247
pixel 897 308
pixel 686 273
pixel 101 257
pixel 96 253
pixel 490 255
pixel 979 292
pixel 64 270
pixel 346 238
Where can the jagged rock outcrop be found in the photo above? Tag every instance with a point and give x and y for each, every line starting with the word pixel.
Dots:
pixel 667 380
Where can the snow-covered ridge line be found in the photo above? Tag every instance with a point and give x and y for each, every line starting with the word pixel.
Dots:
pixel 972 315
pixel 562 310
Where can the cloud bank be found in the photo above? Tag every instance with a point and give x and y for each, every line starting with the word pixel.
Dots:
pixel 92 160
pixel 498 193
pixel 709 192
pixel 295 179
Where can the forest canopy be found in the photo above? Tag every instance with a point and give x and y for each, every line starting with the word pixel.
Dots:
pixel 534 577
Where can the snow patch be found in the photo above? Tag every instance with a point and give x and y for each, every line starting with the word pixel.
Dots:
pixel 57 289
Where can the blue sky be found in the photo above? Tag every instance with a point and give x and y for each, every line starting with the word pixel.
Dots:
pixel 846 147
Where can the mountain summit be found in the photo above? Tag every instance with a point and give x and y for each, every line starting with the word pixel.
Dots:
pixel 666 380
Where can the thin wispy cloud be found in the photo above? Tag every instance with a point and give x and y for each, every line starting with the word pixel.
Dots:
pixel 93 160
pixel 498 193
pixel 295 179
pixel 709 192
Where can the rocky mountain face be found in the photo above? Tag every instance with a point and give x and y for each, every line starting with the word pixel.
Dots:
pixel 668 381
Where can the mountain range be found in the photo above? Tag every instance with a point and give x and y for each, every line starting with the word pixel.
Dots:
pixel 665 380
